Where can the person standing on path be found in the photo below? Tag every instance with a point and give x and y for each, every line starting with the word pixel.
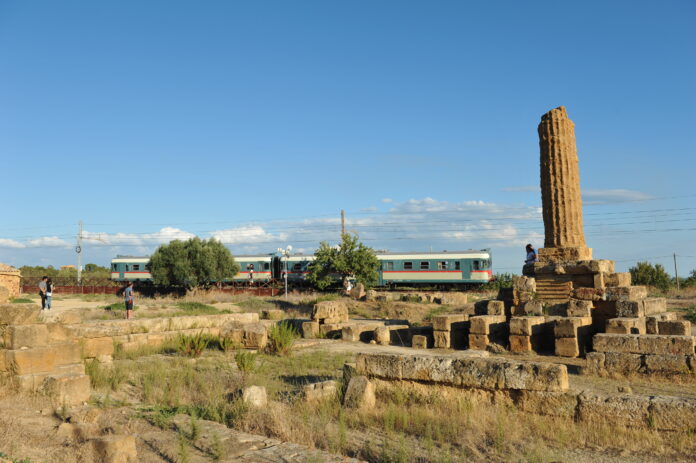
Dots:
pixel 128 296
pixel 49 293
pixel 42 291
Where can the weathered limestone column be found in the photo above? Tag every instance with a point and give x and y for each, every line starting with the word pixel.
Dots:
pixel 560 190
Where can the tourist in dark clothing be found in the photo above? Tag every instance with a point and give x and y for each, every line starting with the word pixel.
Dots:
pixel 128 297
pixel 49 293
pixel 42 291
pixel 531 255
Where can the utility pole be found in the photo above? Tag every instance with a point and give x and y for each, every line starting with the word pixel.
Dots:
pixel 676 274
pixel 343 223
pixel 78 250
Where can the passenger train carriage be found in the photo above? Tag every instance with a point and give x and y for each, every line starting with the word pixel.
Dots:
pixel 454 268
pixel 129 268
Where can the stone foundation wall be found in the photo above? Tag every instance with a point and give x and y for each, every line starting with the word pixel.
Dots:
pixel 531 387
pixel 10 279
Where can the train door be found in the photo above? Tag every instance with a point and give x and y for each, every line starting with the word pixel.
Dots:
pixel 276 268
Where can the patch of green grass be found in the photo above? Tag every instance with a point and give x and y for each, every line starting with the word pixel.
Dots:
pixel 436 311
pixel 690 313
pixel 281 338
pixel 246 361
pixel 115 306
pixel 254 304
pixel 21 300
pixel 103 377
pixel 196 308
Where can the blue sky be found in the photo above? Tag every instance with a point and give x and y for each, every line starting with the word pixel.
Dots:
pixel 257 122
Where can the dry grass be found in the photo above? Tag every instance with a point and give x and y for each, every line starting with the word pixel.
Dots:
pixel 427 424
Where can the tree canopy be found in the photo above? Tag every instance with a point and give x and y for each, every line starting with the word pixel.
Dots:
pixel 350 259
pixel 645 273
pixel 192 263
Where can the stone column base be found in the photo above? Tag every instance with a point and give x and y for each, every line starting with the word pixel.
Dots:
pixel 565 254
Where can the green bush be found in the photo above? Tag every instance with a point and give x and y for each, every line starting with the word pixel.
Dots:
pixel 691 313
pixel 644 273
pixel 192 346
pixel 281 338
pixel 501 280
pixel 246 361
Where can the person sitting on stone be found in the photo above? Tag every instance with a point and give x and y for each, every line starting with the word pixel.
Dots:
pixel 531 255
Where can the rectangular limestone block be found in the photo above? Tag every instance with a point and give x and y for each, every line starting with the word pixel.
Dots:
pixel 666 363
pixel 654 305
pixel 419 342
pixel 444 322
pixel 520 343
pixel 615 410
pixel 59 333
pixel 662 344
pixel 652 321
pixel 333 310
pixel 442 339
pixel 626 293
pixel 567 347
pixel 547 403
pixel 570 327
pixel 618 279
pixel 594 363
pixel 527 326
pixel 674 327
pixel 30 361
pixel 477 371
pixel 672 413
pixel 478 341
pixel 630 309
pixel 18 336
pixel 67 353
pixel 644 344
pixel 485 324
pixel 579 308
pixel 621 362
pixel 310 330
pixel 599 280
pixel 330 330
pixel 68 389
pixel 626 326
pixel 359 332
pixel 94 347
pixel 495 308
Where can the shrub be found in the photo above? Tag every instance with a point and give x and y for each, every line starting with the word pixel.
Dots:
pixel 246 361
pixel 644 273
pixel 281 338
pixel 500 280
pixel 691 313
pixel 226 344
pixel 196 308
pixel 192 346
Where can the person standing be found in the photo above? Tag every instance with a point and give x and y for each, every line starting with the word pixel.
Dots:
pixel 128 296
pixel 531 255
pixel 49 293
pixel 42 291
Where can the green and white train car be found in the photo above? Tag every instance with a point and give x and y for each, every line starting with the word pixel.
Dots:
pixel 435 268
pixel 257 266
pixel 130 268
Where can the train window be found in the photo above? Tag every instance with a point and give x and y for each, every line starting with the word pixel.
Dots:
pixel 408 265
pixel 388 266
pixel 425 265
pixel 113 267
pixel 126 267
pixel 442 265
pixel 457 265
pixel 266 266
pixel 476 265
pixel 136 267
pixel 296 267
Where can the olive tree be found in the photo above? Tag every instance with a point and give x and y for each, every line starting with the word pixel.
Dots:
pixel 349 259
pixel 192 263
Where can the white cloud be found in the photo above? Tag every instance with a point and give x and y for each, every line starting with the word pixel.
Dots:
pixel 164 235
pixel 606 196
pixel 387 200
pixel 48 241
pixel 369 209
pixel 246 235
pixel 8 243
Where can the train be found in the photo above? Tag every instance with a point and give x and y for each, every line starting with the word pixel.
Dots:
pixel 413 269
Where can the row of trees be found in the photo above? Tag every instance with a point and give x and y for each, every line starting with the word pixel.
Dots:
pixel 91 274
pixel 645 273
pixel 199 262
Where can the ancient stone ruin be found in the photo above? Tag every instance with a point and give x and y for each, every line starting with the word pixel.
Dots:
pixel 9 282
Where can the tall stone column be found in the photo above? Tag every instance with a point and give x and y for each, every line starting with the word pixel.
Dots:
pixel 564 238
